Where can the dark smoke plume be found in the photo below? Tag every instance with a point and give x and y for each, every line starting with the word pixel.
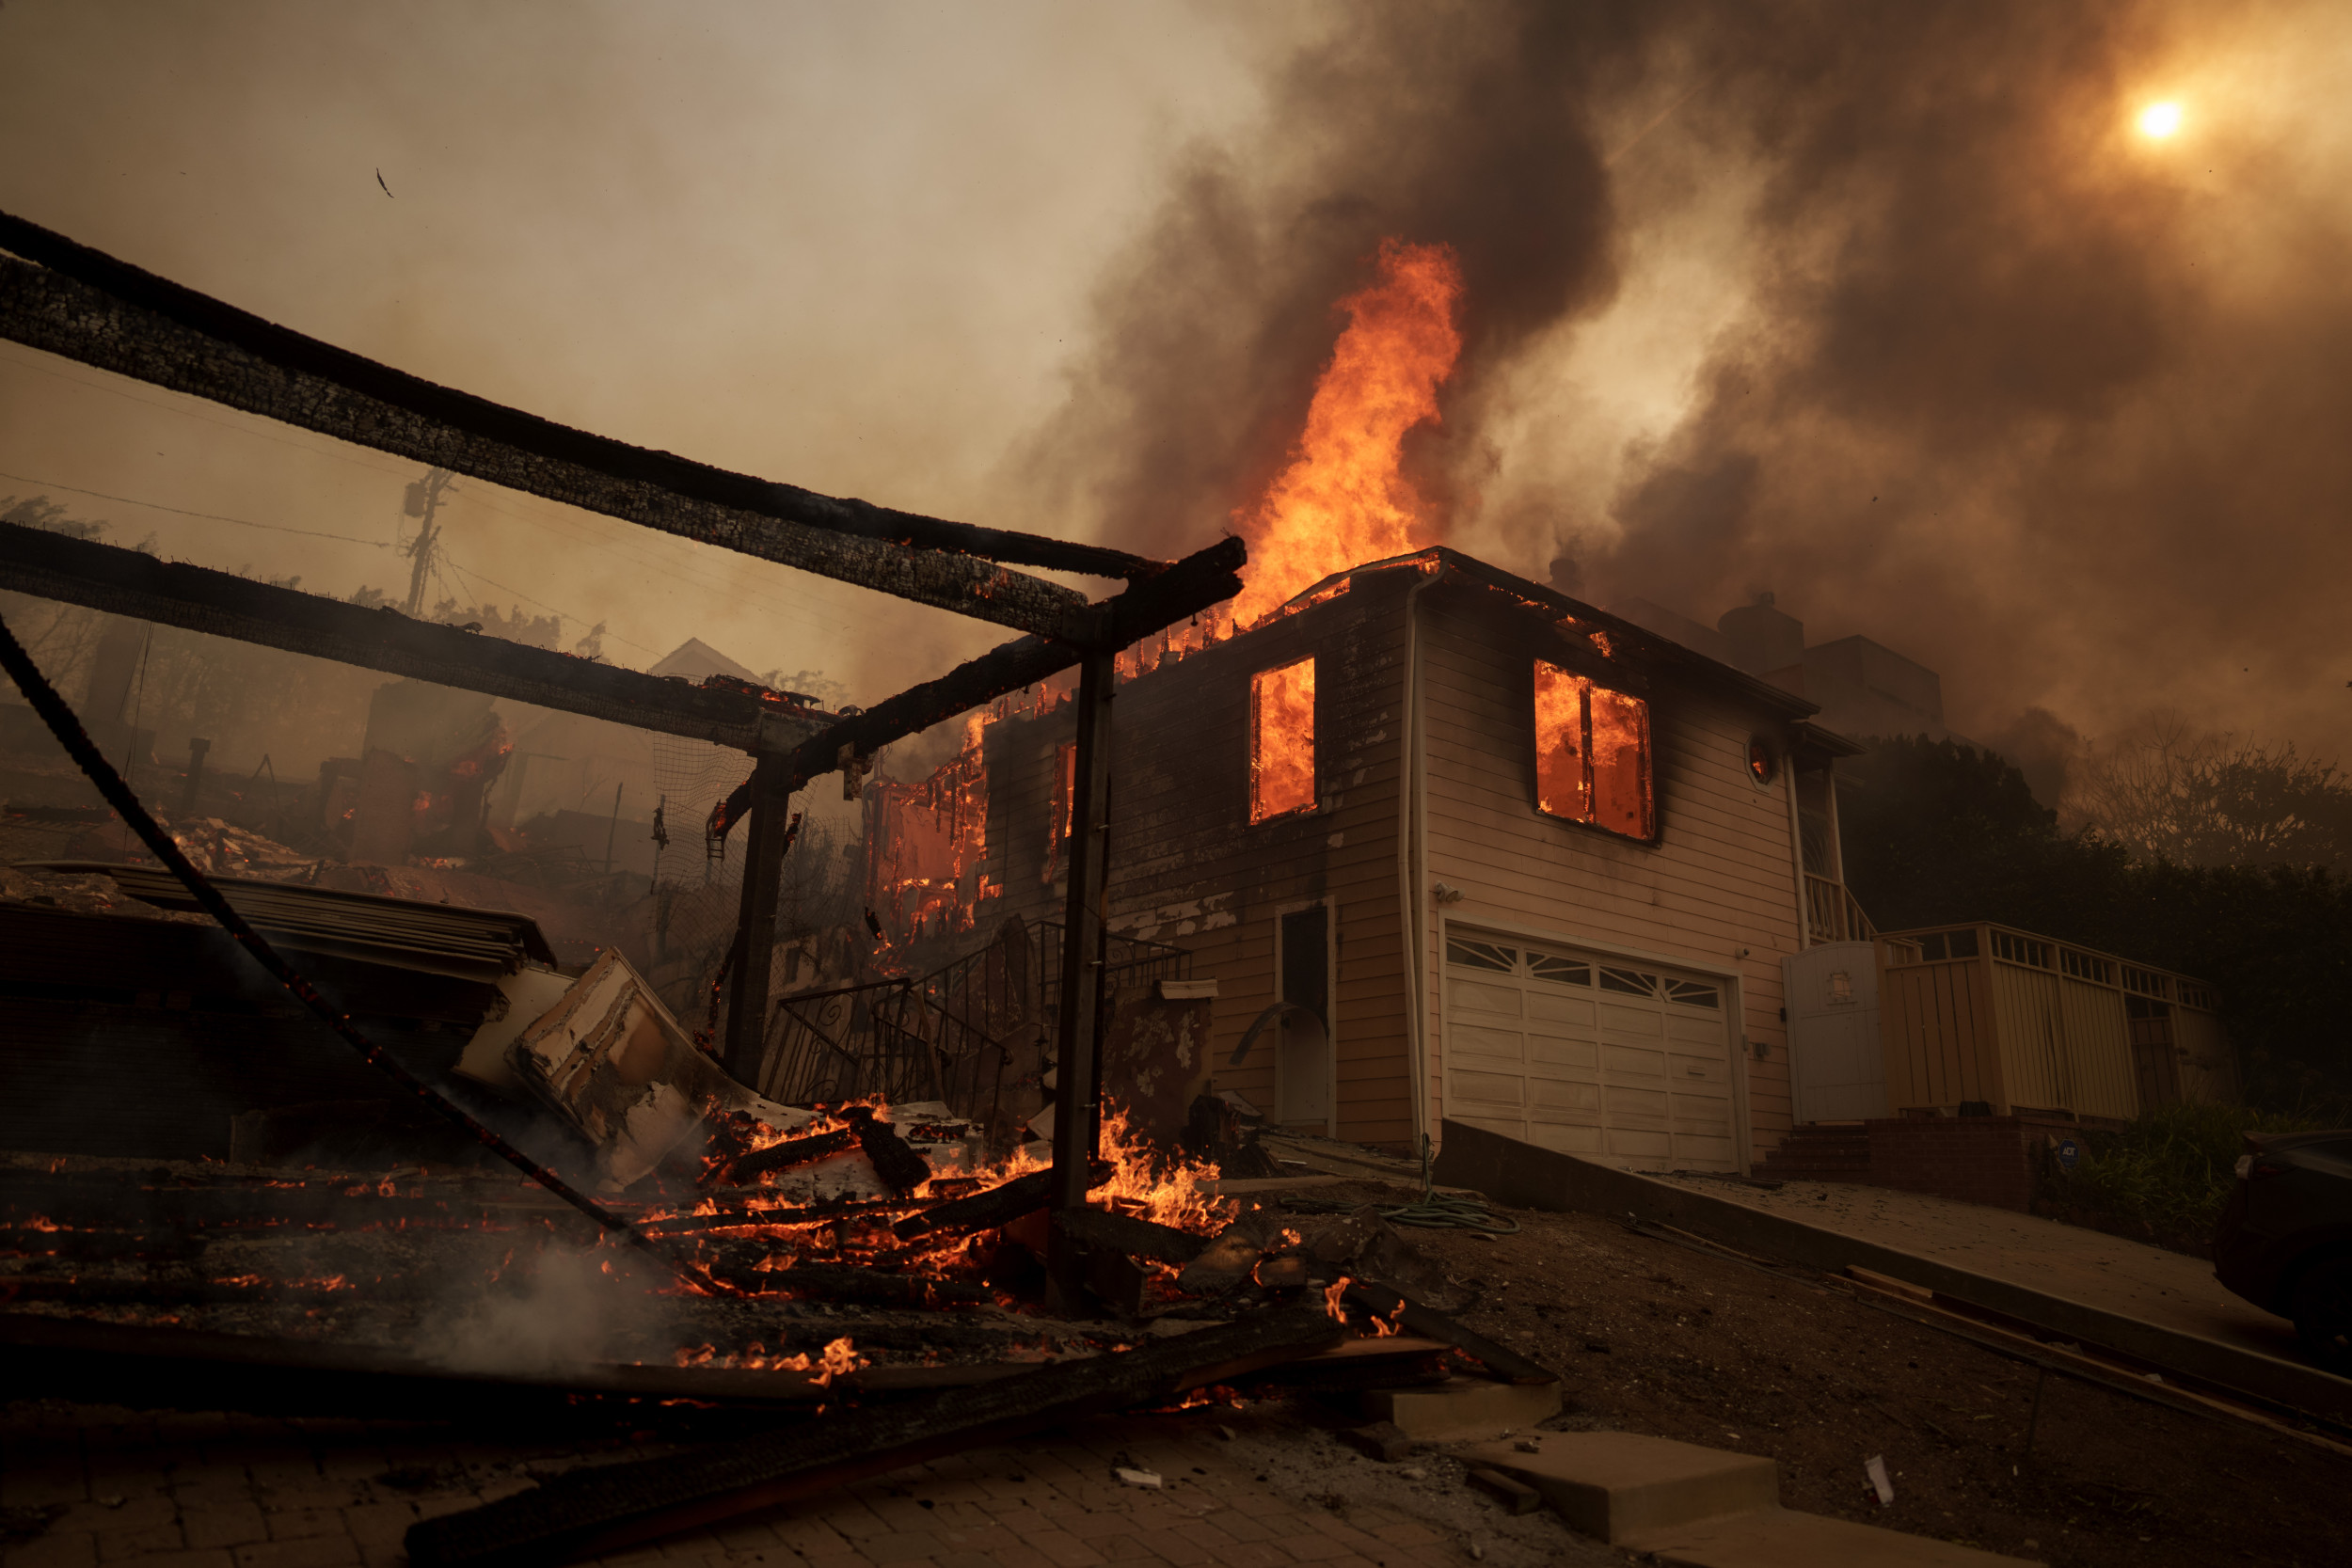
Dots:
pixel 2055 408
pixel 1462 125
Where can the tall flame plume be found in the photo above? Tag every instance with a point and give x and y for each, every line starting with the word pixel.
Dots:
pixel 1342 500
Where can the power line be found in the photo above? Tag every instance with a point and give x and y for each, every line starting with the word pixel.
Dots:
pixel 184 512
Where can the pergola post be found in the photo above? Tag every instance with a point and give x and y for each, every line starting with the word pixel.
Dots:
pixel 1077 1098
pixel 755 927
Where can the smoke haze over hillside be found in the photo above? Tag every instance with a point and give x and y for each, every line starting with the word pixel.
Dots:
pixel 1889 309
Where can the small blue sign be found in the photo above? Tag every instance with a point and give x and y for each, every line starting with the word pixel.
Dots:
pixel 2068 1152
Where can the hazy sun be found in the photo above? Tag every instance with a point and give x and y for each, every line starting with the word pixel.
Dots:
pixel 2159 119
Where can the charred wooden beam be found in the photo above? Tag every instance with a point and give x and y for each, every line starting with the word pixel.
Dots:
pixel 1106 1230
pixel 605 1507
pixel 894 1159
pixel 87 306
pixel 129 582
pixel 1077 1091
pixel 988 1210
pixel 1206 577
pixel 863 1286
pixel 783 1156
pixel 1507 1365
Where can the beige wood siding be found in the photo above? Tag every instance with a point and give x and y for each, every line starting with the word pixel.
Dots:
pixel 1720 878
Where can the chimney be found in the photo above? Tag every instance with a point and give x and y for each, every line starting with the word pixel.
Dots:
pixel 1763 638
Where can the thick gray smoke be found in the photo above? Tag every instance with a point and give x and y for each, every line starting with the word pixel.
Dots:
pixel 1983 371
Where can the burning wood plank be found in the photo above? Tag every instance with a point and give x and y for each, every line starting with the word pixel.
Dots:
pixel 608 1507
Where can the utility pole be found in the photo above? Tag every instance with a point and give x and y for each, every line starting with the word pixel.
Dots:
pixel 425 496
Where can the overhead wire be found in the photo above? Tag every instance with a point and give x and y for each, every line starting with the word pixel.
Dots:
pixel 779 595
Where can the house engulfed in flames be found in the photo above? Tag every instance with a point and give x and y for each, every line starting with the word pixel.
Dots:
pixel 1453 846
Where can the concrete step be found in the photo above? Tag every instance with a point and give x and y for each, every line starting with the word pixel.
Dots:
pixel 1616 1484
pixel 1700 1507
pixel 1463 1408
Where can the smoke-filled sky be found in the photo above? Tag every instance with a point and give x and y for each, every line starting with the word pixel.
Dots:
pixel 1889 307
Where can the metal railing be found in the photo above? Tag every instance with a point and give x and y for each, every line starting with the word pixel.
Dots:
pixel 968 1034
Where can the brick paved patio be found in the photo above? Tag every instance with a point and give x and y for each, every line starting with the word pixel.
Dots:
pixel 212 1491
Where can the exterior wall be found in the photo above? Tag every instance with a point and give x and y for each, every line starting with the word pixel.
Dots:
pixel 1188 867
pixel 1716 891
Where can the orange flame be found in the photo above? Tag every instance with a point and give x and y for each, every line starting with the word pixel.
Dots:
pixel 1342 500
pixel 1331 1295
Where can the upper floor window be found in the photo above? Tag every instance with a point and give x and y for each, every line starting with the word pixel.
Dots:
pixel 1592 753
pixel 1283 741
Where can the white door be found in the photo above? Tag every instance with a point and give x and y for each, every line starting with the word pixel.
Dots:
pixel 1837 1066
pixel 1606 1057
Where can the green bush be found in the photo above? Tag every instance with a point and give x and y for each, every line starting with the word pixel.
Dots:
pixel 2164 1177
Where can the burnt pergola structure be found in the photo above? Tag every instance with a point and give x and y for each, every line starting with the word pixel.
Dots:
pixel 69 300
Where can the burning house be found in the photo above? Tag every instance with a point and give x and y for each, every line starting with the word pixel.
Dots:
pixel 1452 845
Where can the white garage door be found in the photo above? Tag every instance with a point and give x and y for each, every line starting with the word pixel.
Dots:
pixel 1593 1055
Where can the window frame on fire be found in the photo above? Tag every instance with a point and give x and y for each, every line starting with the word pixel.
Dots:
pixel 1615 685
pixel 1315 726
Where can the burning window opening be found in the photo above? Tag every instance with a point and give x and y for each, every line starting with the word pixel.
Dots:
pixel 1283 741
pixel 929 871
pixel 1065 810
pixel 1592 753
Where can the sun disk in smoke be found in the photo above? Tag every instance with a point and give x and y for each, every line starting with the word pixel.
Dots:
pixel 2159 120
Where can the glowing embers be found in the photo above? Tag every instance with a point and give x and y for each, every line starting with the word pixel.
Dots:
pixel 1283 741
pixel 1592 753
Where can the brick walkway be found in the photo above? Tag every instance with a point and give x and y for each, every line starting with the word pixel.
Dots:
pixel 210 1491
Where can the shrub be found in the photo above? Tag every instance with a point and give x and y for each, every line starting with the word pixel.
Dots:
pixel 2164 1177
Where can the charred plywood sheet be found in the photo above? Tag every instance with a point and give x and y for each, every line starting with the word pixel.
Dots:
pixel 610 1060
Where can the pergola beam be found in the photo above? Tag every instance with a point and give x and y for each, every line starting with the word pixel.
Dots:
pixel 173 594
pixel 84 304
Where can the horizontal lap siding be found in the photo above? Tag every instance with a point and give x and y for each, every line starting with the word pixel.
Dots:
pixel 1188 867
pixel 1721 877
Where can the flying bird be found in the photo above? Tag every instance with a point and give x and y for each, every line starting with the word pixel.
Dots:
pixel 379 180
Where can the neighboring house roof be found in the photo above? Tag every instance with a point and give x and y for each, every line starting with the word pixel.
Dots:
pixel 695 658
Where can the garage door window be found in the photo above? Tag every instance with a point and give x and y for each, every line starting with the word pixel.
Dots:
pixel 1592 753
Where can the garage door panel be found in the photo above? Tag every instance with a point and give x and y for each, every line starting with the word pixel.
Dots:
pixel 1490 1090
pixel 1492 1044
pixel 1552 1098
pixel 1550 1008
pixel 1634 1142
pixel 1633 1023
pixel 1629 1107
pixel 1583 1055
pixel 1703 1033
pixel 1480 996
pixel 1641 1070
pixel 1624 1062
